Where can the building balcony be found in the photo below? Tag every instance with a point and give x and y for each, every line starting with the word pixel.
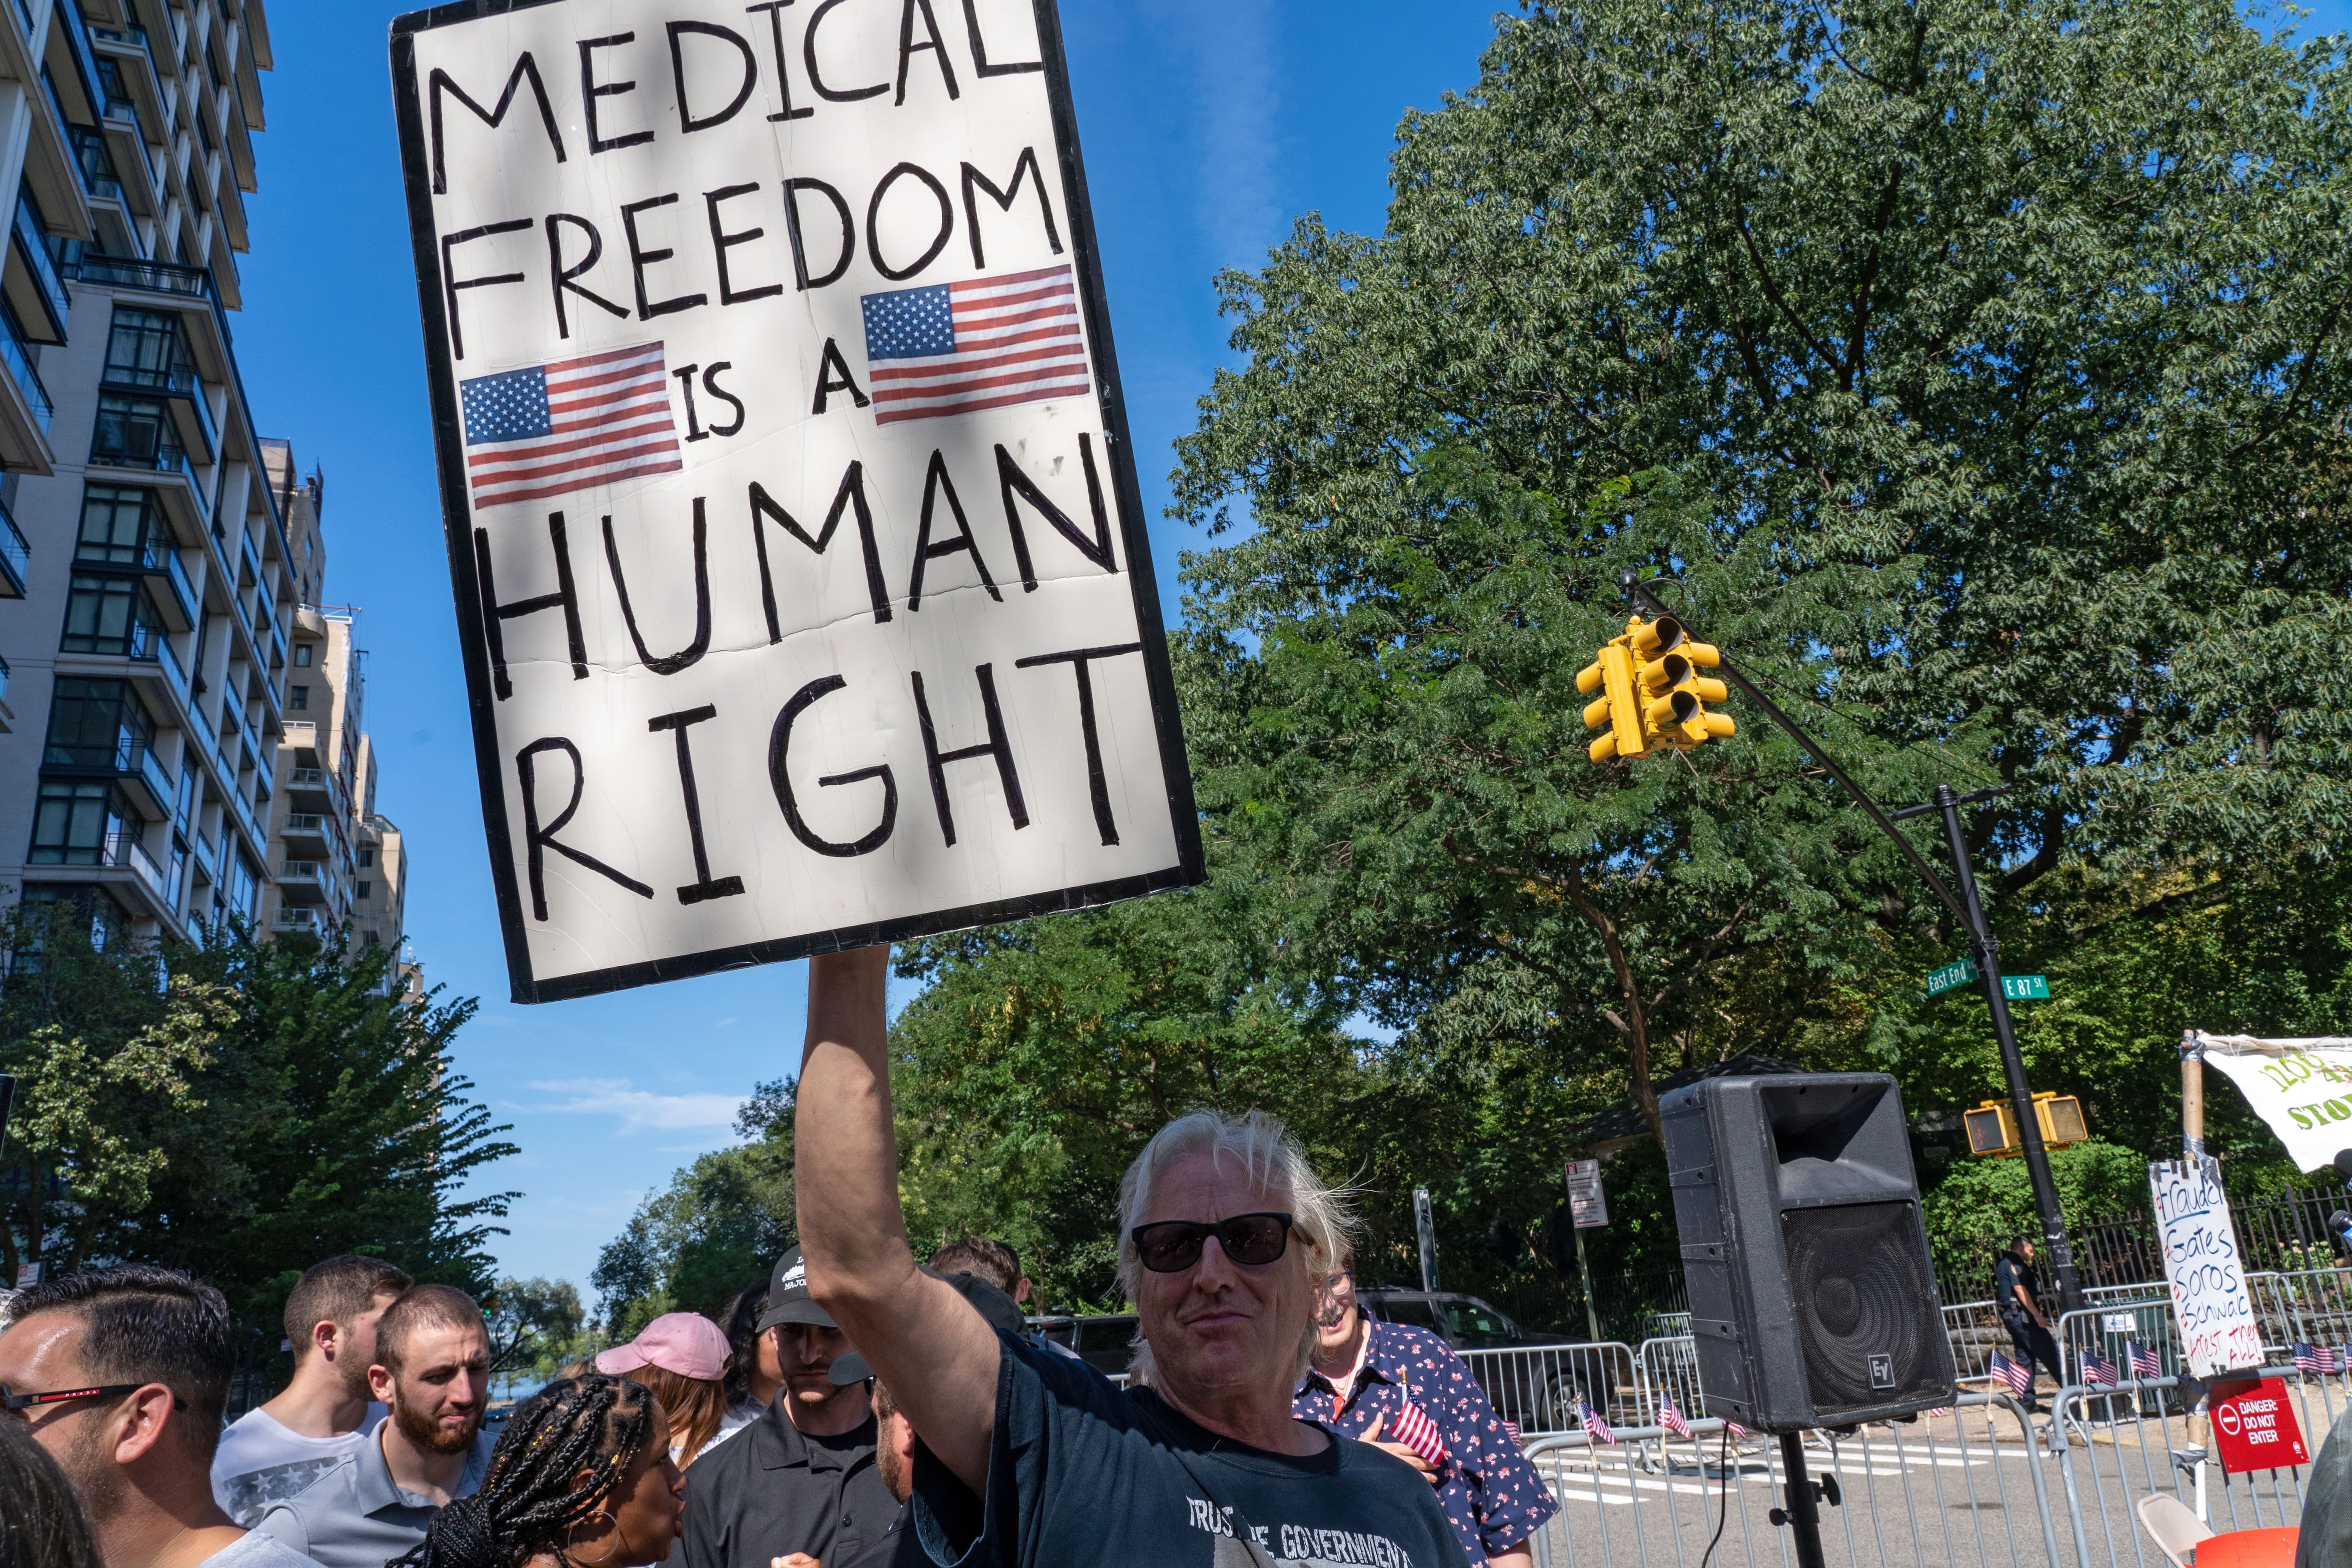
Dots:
pixel 303 882
pixel 120 863
pixel 15 558
pixel 189 290
pixel 185 388
pixel 158 564
pixel 307 922
pixel 26 411
pixel 311 790
pixel 68 18
pixel 98 179
pixel 306 834
pixel 207 860
pixel 33 287
pixel 131 759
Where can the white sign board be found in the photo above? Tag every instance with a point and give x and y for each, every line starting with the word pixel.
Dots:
pixel 2301 1088
pixel 2219 1332
pixel 1587 1205
pixel 798 554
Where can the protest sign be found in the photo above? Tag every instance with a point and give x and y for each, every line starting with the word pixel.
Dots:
pixel 2219 1332
pixel 798 555
pixel 2301 1088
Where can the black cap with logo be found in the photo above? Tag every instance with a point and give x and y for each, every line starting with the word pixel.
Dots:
pixel 789 1300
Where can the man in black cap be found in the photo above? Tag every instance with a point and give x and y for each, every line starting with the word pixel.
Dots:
pixel 802 1478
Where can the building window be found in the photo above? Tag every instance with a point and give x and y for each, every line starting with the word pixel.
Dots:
pixel 298 698
pixel 115 524
pixel 302 655
pixel 367 857
pixel 110 615
pixel 95 724
pixel 145 350
pixel 78 822
pixel 136 433
pixel 361 890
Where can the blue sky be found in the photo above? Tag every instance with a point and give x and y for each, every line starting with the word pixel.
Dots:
pixel 1208 126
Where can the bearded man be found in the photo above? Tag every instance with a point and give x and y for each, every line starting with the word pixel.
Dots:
pixel 431 1369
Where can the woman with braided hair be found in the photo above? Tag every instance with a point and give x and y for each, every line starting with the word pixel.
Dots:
pixel 582 1478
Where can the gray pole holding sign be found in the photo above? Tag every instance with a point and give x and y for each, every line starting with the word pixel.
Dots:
pixel 1426 1229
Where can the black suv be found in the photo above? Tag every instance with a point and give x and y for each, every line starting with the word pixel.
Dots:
pixel 1537 1389
pixel 1103 1342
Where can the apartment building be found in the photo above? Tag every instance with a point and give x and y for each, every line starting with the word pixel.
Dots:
pixel 178 731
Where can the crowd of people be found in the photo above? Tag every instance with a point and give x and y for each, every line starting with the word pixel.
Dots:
pixel 852 1410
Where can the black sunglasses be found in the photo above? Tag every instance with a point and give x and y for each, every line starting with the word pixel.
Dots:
pixel 12 1401
pixel 1173 1246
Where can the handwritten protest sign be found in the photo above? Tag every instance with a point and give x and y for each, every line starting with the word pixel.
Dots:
pixel 2219 1332
pixel 797 548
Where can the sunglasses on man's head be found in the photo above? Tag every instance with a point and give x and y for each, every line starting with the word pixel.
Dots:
pixel 16 1404
pixel 1173 1245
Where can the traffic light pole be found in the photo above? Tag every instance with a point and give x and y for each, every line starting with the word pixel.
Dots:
pixel 1981 947
pixel 1986 951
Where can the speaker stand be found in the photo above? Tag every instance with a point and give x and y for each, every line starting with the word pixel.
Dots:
pixel 1802 1516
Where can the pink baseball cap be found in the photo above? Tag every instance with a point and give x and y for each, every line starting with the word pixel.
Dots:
pixel 686 1343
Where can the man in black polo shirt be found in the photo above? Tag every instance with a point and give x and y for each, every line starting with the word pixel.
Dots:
pixel 802 1478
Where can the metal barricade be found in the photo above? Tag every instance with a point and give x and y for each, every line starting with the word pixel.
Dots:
pixel 2309 1306
pixel 1538 1387
pixel 1974 1329
pixel 2110 1329
pixel 2111 1458
pixel 1668 1366
pixel 1960 1490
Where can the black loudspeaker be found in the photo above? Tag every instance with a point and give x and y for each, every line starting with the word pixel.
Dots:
pixel 1812 1292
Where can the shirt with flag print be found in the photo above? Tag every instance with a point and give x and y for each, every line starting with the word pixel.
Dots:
pixel 1489 1492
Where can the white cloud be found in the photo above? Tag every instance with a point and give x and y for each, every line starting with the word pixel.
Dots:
pixel 637 1109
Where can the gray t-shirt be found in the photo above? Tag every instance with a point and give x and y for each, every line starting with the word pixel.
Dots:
pixel 260 1461
pixel 256 1550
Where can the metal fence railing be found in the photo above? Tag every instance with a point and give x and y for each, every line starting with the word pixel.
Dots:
pixel 1537 1388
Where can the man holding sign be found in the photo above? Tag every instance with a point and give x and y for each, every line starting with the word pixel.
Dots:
pixel 1227 1237
pixel 798 555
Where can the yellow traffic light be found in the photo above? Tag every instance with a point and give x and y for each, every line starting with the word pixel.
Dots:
pixel 1992 1126
pixel 1612 675
pixel 1651 693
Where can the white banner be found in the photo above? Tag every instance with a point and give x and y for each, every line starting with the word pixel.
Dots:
pixel 2219 1332
pixel 2301 1088
pixel 798 554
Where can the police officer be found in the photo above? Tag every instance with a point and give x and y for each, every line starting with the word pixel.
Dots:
pixel 2017 1295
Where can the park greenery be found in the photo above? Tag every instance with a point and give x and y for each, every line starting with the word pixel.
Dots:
pixel 237 1108
pixel 1976 375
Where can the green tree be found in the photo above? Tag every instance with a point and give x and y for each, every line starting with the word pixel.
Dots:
pixel 536 1326
pixel 721 1224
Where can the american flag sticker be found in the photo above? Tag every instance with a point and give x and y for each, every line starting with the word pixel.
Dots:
pixel 553 429
pixel 986 342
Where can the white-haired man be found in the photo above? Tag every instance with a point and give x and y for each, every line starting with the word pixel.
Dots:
pixel 1226 1237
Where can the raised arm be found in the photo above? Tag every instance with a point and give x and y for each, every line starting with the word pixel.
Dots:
pixel 921 1338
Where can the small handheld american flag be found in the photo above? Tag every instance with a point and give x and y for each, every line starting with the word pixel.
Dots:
pixel 2145 1362
pixel 1734 1427
pixel 1513 1428
pixel 2307 1359
pixel 1939 1410
pixel 2098 1369
pixel 986 342
pixel 2018 1380
pixel 553 429
pixel 1671 1418
pixel 1416 1431
pixel 1595 1427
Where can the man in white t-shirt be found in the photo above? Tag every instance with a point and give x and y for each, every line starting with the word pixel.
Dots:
pixel 273 1452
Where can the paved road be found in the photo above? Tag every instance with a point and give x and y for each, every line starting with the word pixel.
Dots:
pixel 1922 1495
